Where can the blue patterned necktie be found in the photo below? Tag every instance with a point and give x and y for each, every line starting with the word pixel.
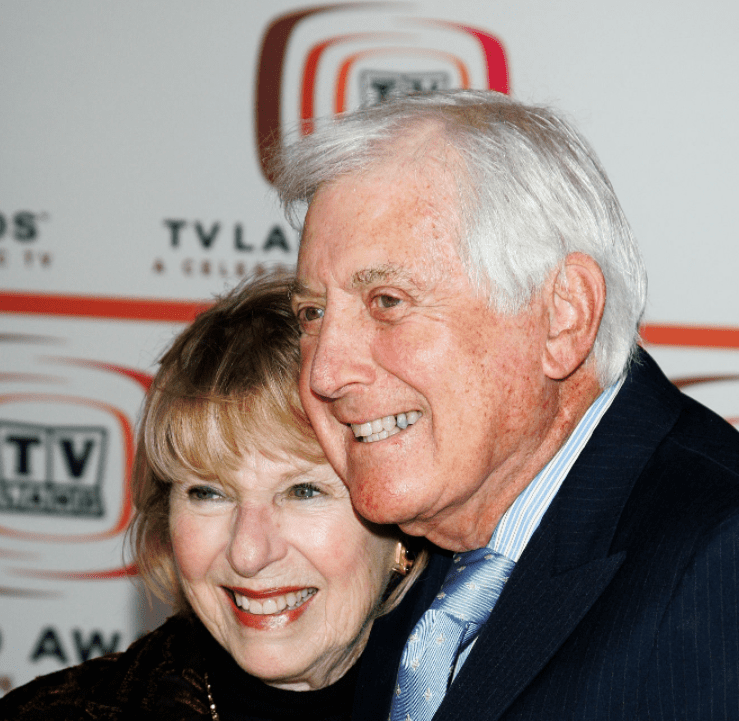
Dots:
pixel 467 596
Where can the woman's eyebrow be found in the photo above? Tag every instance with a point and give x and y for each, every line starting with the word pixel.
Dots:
pixel 301 290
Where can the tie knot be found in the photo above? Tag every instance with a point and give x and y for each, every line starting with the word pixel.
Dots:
pixel 473 584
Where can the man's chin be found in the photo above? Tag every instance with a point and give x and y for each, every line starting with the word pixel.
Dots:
pixel 378 505
pixel 448 534
pixel 416 528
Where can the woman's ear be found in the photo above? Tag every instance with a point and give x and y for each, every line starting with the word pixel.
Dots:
pixel 576 298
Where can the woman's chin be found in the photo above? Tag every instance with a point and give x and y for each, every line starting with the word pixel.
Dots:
pixel 276 667
pixel 293 663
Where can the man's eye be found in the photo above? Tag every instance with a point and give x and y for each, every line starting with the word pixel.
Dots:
pixel 304 491
pixel 387 301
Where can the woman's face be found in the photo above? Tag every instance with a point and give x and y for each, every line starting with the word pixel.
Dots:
pixel 279 568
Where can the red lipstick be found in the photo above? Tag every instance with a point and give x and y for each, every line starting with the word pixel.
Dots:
pixel 269 593
pixel 268 622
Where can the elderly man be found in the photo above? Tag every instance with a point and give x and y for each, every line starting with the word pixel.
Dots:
pixel 469 294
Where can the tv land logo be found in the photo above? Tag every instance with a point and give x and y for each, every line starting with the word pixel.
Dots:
pixel 52 470
pixel 240 253
pixel 331 58
pixel 377 86
pixel 65 461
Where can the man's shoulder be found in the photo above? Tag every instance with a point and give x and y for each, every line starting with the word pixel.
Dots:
pixel 100 687
pixel 699 453
pixel 702 433
pixel 659 465
pixel 650 414
pixel 697 467
pixel 689 488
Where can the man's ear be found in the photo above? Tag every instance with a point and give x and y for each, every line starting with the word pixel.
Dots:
pixel 576 297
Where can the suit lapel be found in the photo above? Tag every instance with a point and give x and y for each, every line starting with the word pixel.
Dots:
pixel 534 616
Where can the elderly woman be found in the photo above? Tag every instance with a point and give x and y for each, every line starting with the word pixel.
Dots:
pixel 241 521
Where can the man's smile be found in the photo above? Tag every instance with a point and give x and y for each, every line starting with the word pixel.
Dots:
pixel 381 428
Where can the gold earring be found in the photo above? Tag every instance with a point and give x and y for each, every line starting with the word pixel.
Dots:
pixel 401 564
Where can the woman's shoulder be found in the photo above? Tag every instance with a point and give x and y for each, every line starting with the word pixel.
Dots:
pixel 59 695
pixel 144 677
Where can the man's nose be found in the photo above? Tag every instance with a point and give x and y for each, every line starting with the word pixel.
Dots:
pixel 339 357
pixel 256 540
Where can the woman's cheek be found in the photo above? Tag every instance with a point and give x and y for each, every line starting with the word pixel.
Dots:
pixel 192 544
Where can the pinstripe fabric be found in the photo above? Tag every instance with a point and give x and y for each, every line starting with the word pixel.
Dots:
pixel 624 604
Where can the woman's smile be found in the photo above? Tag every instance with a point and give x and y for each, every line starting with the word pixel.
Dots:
pixel 262 617
pixel 271 602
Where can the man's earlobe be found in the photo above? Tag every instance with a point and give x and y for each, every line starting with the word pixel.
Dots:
pixel 576 298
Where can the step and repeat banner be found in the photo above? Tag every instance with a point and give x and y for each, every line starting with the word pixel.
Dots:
pixel 133 188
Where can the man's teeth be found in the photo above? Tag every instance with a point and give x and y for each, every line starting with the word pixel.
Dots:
pixel 382 428
pixel 275 604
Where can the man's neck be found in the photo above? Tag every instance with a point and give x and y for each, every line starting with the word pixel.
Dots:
pixel 471 526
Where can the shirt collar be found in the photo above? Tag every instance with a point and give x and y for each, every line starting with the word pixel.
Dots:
pixel 519 522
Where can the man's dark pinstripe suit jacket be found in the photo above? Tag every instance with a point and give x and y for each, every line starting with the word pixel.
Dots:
pixel 625 604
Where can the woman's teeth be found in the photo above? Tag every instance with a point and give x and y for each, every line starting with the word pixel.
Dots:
pixel 275 604
pixel 382 428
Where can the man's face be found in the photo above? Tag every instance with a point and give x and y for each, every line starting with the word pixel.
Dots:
pixel 428 404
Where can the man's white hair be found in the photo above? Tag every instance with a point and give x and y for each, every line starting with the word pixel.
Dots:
pixel 531 191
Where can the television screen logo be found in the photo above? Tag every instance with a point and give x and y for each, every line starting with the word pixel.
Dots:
pixel 66 454
pixel 329 59
pixel 52 470
pixel 376 86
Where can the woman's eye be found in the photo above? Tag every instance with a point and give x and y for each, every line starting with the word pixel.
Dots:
pixel 304 491
pixel 204 493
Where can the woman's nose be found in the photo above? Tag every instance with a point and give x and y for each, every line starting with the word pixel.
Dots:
pixel 256 540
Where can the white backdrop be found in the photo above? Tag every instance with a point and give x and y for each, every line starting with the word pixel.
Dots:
pixel 131 191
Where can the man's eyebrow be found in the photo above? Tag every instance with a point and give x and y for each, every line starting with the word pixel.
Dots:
pixel 388 273
pixel 382 274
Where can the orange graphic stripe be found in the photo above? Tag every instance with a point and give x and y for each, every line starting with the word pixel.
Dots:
pixel 145 309
pixel 693 336
pixel 123 572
